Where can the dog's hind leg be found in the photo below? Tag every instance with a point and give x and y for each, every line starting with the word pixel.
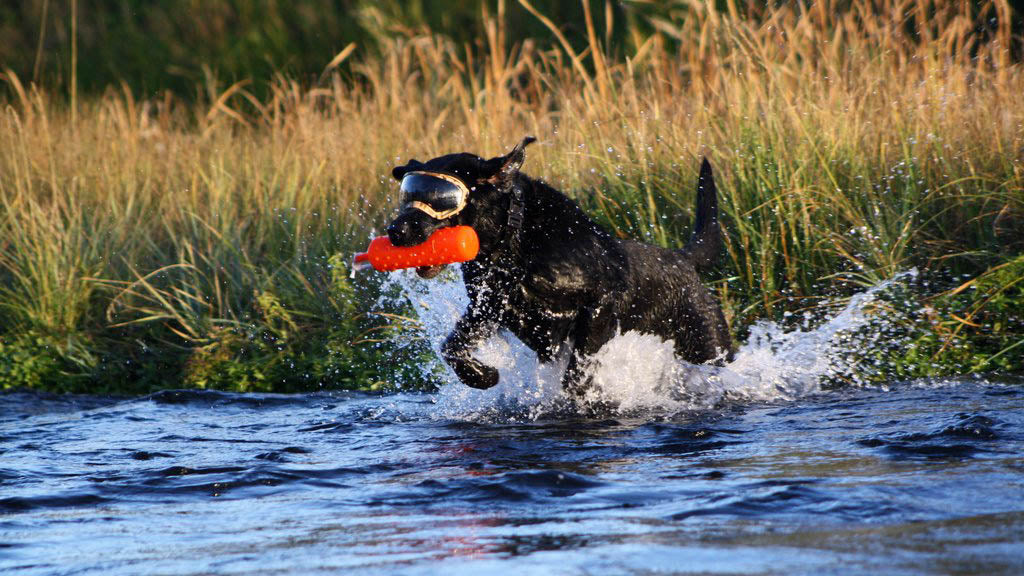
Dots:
pixel 471 330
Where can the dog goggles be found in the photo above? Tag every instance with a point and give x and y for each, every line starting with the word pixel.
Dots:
pixel 439 195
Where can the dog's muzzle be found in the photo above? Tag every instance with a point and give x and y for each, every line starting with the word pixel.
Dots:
pixel 436 194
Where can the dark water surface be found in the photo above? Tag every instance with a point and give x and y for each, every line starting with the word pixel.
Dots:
pixel 922 478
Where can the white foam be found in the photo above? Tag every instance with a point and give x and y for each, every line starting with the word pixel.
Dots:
pixel 639 372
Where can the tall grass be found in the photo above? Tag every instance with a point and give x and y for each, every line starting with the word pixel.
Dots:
pixel 168 242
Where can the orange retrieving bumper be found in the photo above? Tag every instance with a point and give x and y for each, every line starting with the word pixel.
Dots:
pixel 445 246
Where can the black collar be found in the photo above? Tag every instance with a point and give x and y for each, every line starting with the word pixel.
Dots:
pixel 508 247
pixel 516 210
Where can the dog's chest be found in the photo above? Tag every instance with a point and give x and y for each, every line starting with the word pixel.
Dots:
pixel 543 305
pixel 541 322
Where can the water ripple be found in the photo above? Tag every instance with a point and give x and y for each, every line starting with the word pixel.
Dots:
pixel 215 482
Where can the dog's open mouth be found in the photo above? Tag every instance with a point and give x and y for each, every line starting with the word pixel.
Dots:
pixel 428 272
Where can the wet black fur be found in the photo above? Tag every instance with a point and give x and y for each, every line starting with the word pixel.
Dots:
pixel 570 282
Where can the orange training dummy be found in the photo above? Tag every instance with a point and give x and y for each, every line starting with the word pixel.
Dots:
pixel 445 246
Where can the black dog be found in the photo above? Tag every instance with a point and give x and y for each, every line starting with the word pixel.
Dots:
pixel 550 274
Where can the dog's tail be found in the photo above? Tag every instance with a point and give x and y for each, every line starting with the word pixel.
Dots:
pixel 705 243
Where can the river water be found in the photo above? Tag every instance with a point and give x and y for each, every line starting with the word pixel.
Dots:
pixel 752 468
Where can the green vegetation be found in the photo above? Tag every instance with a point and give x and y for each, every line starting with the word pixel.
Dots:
pixel 165 241
pixel 156 45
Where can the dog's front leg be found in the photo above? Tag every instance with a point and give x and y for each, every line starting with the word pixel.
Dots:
pixel 594 327
pixel 471 330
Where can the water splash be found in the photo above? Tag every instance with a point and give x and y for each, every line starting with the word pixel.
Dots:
pixel 639 373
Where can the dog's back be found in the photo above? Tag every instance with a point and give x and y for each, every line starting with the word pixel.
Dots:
pixel 666 297
pixel 573 265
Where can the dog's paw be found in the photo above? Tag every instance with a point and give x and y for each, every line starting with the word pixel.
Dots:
pixel 481 377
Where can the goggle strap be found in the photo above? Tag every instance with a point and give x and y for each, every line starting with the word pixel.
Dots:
pixel 426 208
pixel 440 176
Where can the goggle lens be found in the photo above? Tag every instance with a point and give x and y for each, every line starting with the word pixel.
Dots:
pixel 442 194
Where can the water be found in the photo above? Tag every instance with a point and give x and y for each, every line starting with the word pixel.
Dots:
pixel 752 468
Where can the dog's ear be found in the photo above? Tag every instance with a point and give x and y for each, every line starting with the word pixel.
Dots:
pixel 400 171
pixel 505 167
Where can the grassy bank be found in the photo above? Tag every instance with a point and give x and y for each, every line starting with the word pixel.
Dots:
pixel 164 243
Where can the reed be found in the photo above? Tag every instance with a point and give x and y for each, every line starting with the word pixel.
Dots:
pixel 165 243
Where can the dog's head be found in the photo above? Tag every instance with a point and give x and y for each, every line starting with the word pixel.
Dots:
pixel 455 190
